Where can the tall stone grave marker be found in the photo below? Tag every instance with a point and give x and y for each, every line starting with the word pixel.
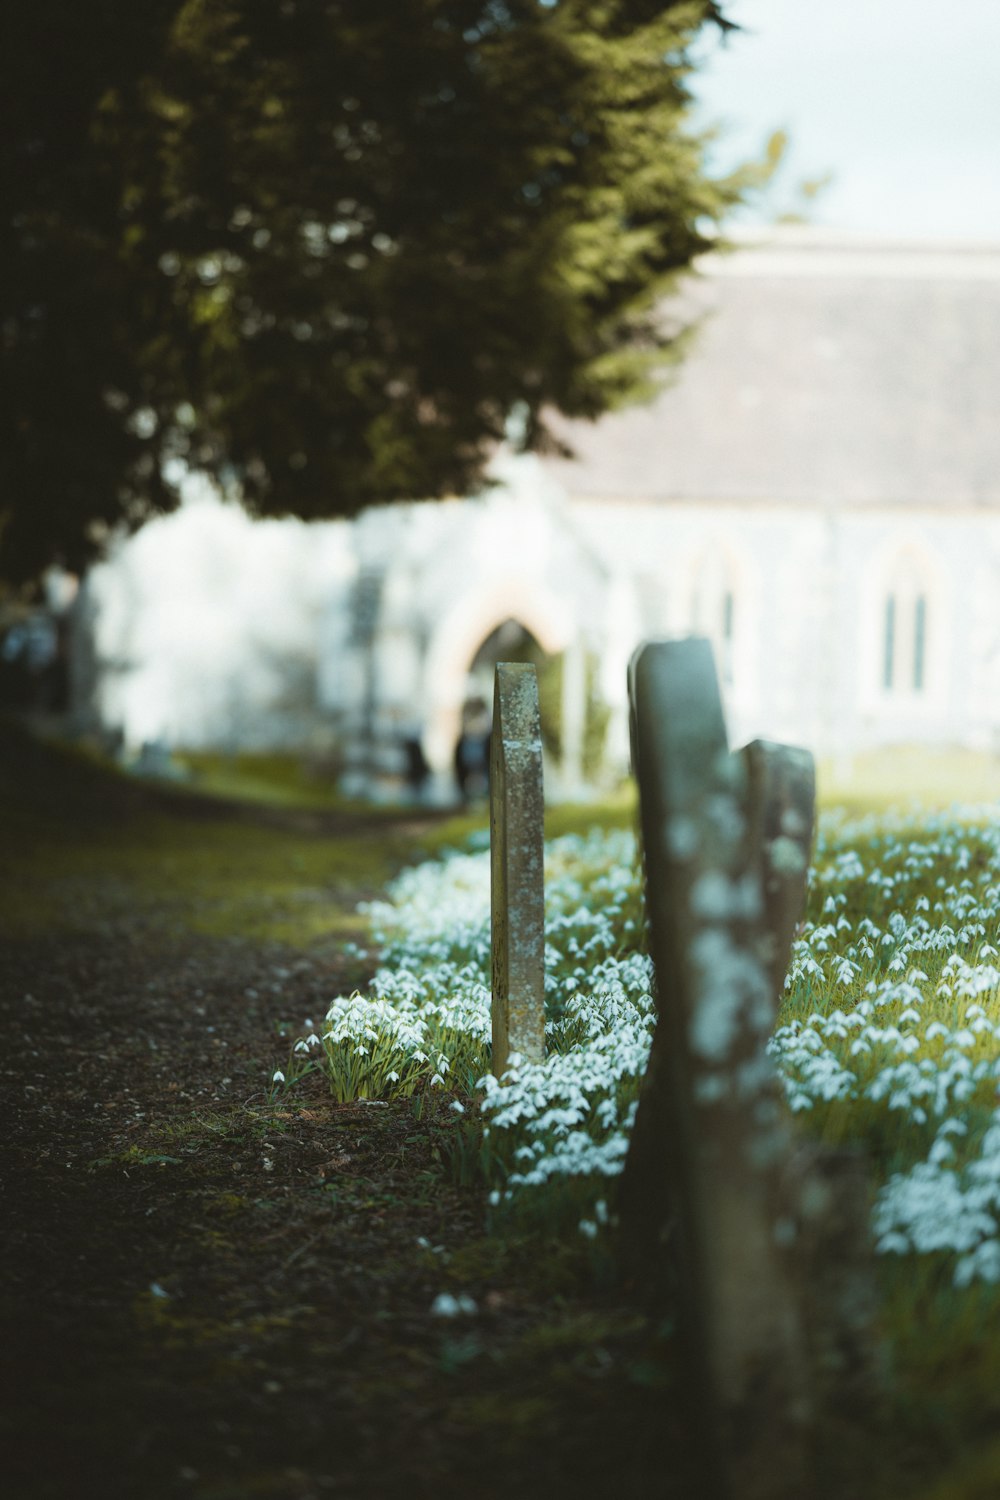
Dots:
pixel 780 807
pixel 517 810
pixel 720 1201
pixel 709 1136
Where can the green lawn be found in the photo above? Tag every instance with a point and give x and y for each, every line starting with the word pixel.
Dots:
pixel 901 775
pixel 82 839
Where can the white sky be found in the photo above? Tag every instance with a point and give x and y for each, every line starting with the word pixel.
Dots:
pixel 899 99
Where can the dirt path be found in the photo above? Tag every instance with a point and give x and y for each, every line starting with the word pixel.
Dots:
pixel 180 1262
pixel 213 1295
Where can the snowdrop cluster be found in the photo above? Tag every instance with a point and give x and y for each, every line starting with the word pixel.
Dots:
pixel 426 1016
pixel 890 1034
pixel 888 1037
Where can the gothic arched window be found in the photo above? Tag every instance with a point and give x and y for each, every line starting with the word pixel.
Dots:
pixel 904 630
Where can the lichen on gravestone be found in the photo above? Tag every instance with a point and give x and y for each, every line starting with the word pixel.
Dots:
pixel 517 809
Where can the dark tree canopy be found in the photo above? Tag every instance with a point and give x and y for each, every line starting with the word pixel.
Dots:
pixel 322 248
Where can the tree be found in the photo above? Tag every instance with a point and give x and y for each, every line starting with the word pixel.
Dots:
pixel 322 248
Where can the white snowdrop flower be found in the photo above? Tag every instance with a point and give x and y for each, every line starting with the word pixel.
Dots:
pixel 277 1076
pixel 982 1264
pixel 942 1151
pixel 892 1243
pixel 917 1008
pixel 447 1306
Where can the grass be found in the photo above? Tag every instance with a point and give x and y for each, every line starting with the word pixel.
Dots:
pixel 943 1337
pixel 74 828
pixel 185 853
pixel 269 1282
pixel 904 775
pixel 82 840
pixel 895 776
pixel 274 779
pixel 223 880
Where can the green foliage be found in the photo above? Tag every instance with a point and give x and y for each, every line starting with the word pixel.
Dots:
pixel 322 250
pixel 376 1067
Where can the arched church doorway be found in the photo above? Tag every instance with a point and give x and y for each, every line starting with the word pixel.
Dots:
pixel 468 641
pixel 573 718
pixel 510 641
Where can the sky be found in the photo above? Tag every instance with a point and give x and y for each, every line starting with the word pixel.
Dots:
pixel 898 99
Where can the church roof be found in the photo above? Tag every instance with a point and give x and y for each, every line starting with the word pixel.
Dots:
pixel 827 369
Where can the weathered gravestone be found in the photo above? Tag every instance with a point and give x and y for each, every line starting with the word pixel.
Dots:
pixel 721 1206
pixel 516 867
pixel 779 805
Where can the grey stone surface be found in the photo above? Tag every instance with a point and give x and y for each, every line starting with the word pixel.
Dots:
pixel 517 810
pixel 720 1202
pixel 781 815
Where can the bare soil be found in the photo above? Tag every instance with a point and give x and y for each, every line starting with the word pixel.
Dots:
pixel 209 1292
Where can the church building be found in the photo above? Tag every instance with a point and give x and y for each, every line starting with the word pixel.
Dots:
pixel 816 488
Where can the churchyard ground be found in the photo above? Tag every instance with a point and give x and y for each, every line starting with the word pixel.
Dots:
pixel 222 1284
pixel 215 1286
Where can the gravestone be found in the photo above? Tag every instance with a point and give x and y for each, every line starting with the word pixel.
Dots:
pixel 516 867
pixel 780 809
pixel 721 1206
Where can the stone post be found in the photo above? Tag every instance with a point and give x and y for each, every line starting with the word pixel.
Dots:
pixel 517 809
